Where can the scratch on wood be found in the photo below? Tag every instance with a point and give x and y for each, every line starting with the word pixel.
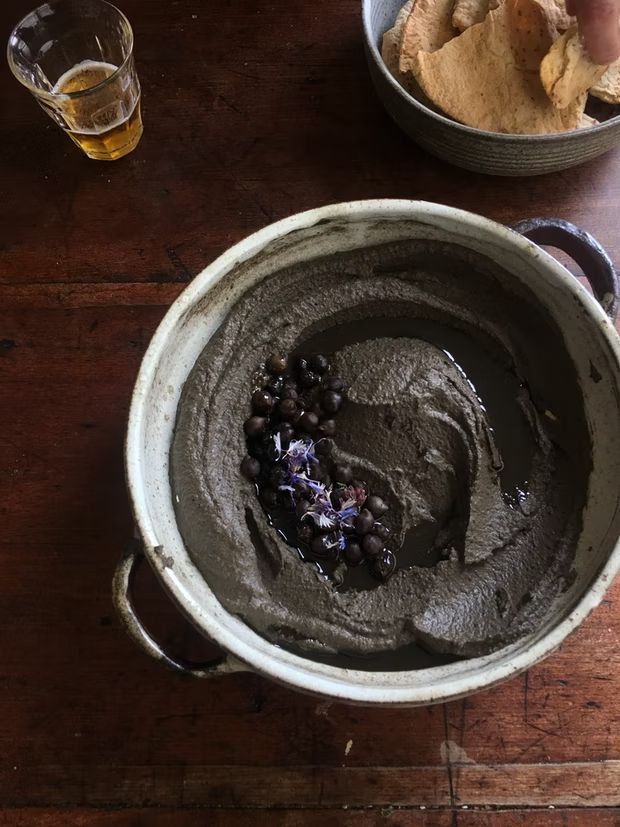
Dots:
pixel 449 768
pixel 526 686
pixel 229 104
pixel 184 274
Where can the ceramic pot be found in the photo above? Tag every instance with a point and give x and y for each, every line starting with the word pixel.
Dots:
pixel 589 337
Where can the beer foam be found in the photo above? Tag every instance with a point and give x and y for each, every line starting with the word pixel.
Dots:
pixel 83 66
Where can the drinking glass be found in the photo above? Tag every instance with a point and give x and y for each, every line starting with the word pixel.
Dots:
pixel 76 57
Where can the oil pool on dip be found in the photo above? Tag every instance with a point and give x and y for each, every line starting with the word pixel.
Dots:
pixel 106 125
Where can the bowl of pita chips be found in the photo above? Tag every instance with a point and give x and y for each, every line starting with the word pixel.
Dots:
pixel 502 87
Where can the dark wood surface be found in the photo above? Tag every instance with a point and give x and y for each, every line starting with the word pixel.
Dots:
pixel 253 110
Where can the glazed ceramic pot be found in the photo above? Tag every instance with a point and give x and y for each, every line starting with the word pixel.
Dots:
pixel 589 337
pixel 474 149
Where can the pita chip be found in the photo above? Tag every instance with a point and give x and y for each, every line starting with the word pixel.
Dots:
pixel 586 122
pixel 556 14
pixel 608 87
pixel 566 71
pixel 390 49
pixel 488 77
pixel 469 12
pixel 428 28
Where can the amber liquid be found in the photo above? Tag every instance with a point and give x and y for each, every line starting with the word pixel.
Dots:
pixel 107 123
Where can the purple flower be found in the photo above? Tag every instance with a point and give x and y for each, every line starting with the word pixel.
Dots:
pixel 350 511
pixel 300 452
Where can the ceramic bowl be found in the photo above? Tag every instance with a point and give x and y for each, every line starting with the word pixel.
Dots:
pixel 590 339
pixel 493 153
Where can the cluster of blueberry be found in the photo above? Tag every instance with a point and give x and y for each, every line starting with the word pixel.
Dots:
pixel 293 416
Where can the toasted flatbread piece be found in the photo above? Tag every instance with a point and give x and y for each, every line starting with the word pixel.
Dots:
pixel 390 52
pixel 428 28
pixel 587 121
pixel 488 77
pixel 566 71
pixel 390 49
pixel 469 12
pixel 556 14
pixel 608 87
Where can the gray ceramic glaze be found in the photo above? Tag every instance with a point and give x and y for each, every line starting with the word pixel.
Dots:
pixel 492 153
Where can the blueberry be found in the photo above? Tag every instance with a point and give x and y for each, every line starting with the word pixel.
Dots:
pixel 250 468
pixel 308 378
pixel 274 386
pixel 276 364
pixel 301 507
pixel 353 554
pixel 384 566
pixel 287 432
pixel 321 448
pixel 372 545
pixel 254 426
pixel 288 392
pixel 318 363
pixel 331 401
pixel 308 422
pixel 381 531
pixel 262 401
pixel 323 547
pixel 334 383
pixel 342 474
pixel 364 522
pixel 376 506
pixel 287 408
pixel 327 427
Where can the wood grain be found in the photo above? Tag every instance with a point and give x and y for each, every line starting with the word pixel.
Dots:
pixel 252 111
pixel 342 817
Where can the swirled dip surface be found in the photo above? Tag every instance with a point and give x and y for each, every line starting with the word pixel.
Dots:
pixel 463 412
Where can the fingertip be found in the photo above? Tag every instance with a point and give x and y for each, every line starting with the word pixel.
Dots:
pixel 603 47
pixel 599 25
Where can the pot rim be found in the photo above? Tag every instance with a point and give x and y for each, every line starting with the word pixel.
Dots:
pixel 358 686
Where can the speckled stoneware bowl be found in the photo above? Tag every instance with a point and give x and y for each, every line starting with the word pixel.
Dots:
pixel 590 339
pixel 490 152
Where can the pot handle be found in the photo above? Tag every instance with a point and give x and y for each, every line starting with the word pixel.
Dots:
pixel 121 596
pixel 584 249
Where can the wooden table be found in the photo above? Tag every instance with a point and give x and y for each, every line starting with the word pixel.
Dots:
pixel 253 110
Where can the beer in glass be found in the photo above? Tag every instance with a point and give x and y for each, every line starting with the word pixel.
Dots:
pixel 76 57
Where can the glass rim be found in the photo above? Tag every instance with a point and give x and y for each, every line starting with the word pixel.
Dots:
pixel 42 93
